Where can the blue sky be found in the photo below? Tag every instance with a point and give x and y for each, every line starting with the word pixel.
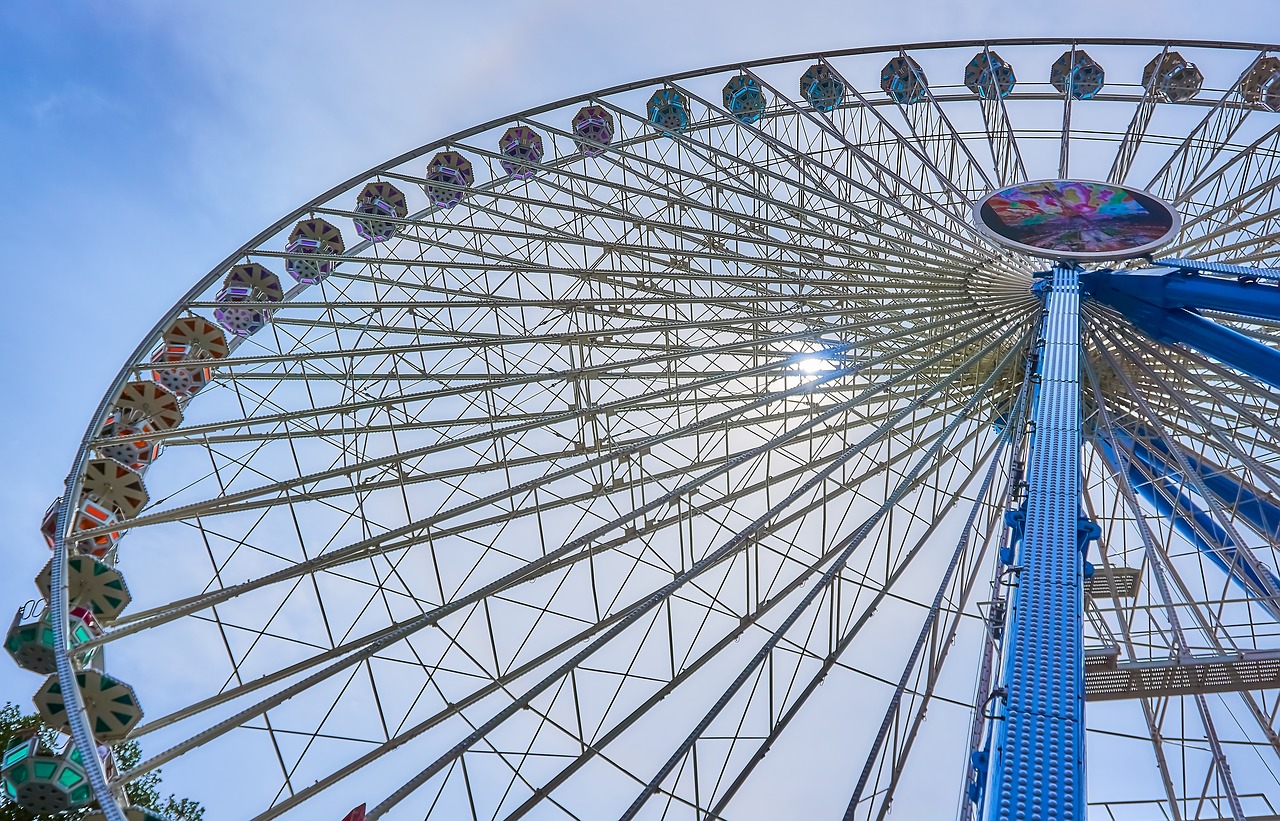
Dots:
pixel 143 140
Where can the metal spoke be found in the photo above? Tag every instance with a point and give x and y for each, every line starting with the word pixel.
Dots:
pixel 573 455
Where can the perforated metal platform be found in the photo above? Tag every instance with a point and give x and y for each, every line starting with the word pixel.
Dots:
pixel 1121 582
pixel 1107 679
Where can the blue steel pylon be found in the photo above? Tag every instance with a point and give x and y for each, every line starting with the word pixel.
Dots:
pixel 1037 763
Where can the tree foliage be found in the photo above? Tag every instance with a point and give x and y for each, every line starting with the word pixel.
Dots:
pixel 142 792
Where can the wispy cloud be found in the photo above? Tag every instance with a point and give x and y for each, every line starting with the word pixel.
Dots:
pixel 71 101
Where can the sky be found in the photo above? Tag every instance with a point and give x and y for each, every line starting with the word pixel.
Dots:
pixel 143 140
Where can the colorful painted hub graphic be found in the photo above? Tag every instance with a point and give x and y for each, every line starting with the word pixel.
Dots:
pixel 1076 220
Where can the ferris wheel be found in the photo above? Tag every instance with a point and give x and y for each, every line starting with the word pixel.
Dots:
pixel 677 450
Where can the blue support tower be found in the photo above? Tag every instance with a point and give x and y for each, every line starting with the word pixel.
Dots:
pixel 1163 306
pixel 1164 493
pixel 1191 291
pixel 1037 767
pixel 1255 507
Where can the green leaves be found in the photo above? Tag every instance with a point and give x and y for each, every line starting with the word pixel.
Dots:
pixel 143 792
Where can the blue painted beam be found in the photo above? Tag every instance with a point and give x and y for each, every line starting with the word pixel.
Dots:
pixel 1205 266
pixel 1174 325
pixel 1191 521
pixel 1255 507
pixel 1189 291
pixel 1037 759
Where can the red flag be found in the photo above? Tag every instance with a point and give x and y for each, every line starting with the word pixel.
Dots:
pixel 356 815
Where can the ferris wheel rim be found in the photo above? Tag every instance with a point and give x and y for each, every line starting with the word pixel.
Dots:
pixel 215 272
pixel 203 284
pixel 61 554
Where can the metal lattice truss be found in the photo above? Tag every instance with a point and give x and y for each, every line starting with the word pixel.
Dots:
pixel 669 478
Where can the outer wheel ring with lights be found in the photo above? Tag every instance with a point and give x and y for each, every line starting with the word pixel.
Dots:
pixel 672 450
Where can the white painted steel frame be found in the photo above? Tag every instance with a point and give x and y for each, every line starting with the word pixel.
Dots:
pixel 900 203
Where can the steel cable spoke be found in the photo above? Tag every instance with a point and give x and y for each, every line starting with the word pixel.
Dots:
pixel 475 517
